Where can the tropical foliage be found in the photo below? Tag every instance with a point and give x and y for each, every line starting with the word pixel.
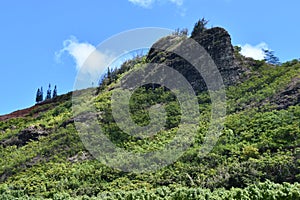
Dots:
pixel 256 157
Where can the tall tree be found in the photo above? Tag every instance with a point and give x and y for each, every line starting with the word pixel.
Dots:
pixel 41 97
pixel 54 92
pixel 270 57
pixel 109 75
pixel 199 27
pixel 49 92
pixel 38 94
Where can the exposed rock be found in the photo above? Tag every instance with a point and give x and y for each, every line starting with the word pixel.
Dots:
pixel 289 96
pixel 25 136
pixel 216 41
pixel 83 117
pixel 80 157
pixel 67 122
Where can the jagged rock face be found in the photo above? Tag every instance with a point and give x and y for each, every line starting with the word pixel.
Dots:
pixel 217 42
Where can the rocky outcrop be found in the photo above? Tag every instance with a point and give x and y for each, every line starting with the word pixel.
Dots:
pixel 289 96
pixel 31 133
pixel 217 43
pixel 83 117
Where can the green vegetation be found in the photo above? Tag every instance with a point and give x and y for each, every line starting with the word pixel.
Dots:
pixel 270 57
pixel 256 157
pixel 199 27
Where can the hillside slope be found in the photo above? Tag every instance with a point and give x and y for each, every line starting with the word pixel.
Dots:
pixel 256 157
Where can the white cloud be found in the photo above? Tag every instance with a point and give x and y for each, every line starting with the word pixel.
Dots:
pixel 89 61
pixel 149 3
pixel 255 52
pixel 78 51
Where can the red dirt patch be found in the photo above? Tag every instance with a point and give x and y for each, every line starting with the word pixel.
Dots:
pixel 18 113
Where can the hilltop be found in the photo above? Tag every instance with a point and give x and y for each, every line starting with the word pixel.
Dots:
pixel 256 157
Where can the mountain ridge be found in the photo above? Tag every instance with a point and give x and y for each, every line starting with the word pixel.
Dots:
pixel 256 157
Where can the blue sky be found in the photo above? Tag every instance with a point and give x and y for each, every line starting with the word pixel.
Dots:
pixel 40 40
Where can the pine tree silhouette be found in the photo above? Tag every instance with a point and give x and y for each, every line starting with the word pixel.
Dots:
pixel 41 96
pixel 38 94
pixel 49 92
pixel 54 92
